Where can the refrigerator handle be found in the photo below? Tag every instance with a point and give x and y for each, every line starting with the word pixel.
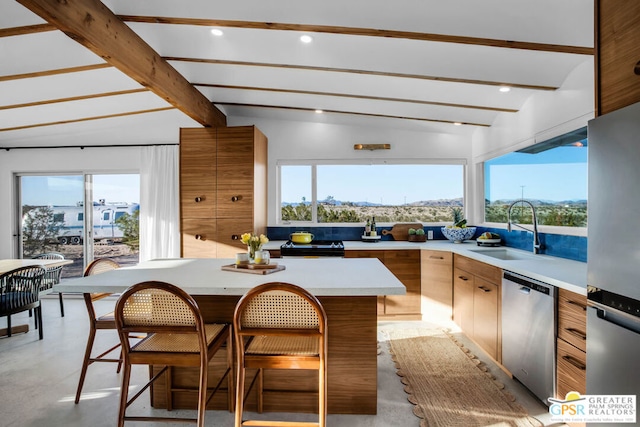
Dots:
pixel 616 317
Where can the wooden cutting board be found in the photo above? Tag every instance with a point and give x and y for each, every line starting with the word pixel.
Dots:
pixel 400 231
pixel 254 269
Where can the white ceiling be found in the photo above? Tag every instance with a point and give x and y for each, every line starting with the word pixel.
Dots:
pixel 400 81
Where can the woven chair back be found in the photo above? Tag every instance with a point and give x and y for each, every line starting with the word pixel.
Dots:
pixel 157 307
pixel 100 266
pixel 279 309
pixel 49 255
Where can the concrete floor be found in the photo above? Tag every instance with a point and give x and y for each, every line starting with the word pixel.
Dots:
pixel 39 378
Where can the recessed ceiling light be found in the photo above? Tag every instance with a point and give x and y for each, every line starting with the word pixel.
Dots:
pixel 306 38
pixel 505 88
pixel 457 124
pixel 216 32
pixel 319 111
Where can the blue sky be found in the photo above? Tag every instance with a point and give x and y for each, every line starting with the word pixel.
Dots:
pixel 386 184
pixel 58 190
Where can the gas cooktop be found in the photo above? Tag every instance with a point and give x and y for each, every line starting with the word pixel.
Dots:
pixel 316 248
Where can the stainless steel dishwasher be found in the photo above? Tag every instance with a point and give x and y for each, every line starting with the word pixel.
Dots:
pixel 529 332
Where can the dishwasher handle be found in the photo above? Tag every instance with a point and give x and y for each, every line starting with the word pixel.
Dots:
pixel 525 290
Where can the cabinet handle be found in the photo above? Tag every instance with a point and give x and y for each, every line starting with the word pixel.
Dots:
pixel 484 289
pixel 582 306
pixel 200 237
pixel 235 237
pixel 575 362
pixel 463 278
pixel 236 198
pixel 199 199
pixel 576 333
pixel 435 257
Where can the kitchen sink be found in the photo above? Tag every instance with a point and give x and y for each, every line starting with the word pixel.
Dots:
pixel 505 254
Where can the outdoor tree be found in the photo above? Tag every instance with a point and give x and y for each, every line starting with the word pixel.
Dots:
pixel 39 229
pixel 130 226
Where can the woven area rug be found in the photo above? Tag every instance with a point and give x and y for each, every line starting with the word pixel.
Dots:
pixel 448 385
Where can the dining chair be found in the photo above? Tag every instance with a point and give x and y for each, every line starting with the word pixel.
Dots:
pixel 97 323
pixel 279 326
pixel 52 277
pixel 20 291
pixel 176 336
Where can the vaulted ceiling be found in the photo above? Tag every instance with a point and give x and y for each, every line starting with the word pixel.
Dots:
pixel 133 72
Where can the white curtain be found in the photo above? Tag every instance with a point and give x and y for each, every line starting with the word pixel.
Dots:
pixel 159 203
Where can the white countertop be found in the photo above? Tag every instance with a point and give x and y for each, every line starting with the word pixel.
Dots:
pixel 321 277
pixel 563 273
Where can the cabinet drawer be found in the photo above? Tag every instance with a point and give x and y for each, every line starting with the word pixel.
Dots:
pixel 364 254
pixel 489 272
pixel 229 233
pixel 572 318
pixel 199 238
pixel 235 202
pixel 197 202
pixel 571 367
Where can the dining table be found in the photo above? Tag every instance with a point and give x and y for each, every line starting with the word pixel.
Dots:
pixel 7 265
pixel 348 288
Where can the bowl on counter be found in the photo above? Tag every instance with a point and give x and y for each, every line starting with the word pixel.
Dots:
pixel 458 235
pixel 301 237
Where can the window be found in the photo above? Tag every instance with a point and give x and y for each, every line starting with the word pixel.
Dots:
pixel 48 204
pixel 351 193
pixel 552 175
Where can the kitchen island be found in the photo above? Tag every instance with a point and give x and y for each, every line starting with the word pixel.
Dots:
pixel 347 288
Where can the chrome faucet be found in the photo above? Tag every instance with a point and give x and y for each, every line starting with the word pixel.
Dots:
pixel 536 240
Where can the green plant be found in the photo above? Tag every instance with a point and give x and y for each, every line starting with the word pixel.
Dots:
pixel 130 226
pixel 412 232
pixel 420 232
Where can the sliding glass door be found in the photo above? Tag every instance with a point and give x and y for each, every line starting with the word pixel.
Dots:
pixel 55 216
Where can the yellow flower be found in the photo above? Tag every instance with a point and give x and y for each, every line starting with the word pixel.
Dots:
pixel 254 243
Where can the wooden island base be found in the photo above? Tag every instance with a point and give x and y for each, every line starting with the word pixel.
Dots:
pixel 351 368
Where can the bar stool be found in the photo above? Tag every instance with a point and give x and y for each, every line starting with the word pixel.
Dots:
pixel 279 326
pixel 176 336
pixel 97 323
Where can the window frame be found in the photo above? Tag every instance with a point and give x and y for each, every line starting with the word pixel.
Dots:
pixel 314 163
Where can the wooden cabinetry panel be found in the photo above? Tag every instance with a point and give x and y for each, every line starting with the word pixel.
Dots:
pixel 463 300
pixel 436 277
pixel 485 315
pixel 572 318
pixel 481 283
pixel 405 265
pixel 223 180
pixel 571 370
pixel 228 236
pixel 235 202
pixel 488 272
pixel 199 238
pixel 617 54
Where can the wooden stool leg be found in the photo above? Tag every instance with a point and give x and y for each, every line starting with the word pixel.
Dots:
pixel 260 387
pixel 239 393
pixel 230 375
pixel 124 394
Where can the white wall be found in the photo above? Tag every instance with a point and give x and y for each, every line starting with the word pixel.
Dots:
pixel 289 140
pixel 73 160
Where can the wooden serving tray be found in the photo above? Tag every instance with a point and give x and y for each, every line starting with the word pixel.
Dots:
pixel 254 268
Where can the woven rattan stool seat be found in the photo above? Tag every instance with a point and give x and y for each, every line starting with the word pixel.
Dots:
pixel 280 346
pixel 177 343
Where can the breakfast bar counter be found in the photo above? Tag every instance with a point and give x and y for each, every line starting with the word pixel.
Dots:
pixel 347 288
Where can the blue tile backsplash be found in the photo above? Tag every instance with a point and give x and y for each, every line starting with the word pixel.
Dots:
pixel 558 245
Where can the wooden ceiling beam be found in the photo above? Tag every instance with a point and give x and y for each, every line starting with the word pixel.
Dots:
pixel 369 32
pixel 367 72
pixel 27 29
pixel 92 24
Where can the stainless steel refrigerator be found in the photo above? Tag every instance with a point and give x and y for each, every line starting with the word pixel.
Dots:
pixel 613 254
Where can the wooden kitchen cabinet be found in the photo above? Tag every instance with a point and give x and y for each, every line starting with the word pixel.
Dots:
pixel 476 303
pixel 617 54
pixel 571 343
pixel 436 282
pixel 223 189
pixel 405 265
